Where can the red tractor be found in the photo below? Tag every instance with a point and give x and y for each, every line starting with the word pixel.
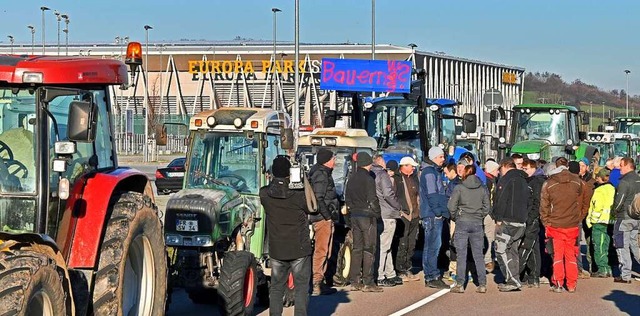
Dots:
pixel 78 234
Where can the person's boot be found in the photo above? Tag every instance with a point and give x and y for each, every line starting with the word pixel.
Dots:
pixel 322 289
pixel 489 267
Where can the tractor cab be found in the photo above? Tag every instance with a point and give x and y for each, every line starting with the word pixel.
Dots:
pixel 543 131
pixel 628 125
pixel 612 145
pixel 473 143
pixel 343 142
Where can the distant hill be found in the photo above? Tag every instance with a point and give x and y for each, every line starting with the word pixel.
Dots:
pixel 551 88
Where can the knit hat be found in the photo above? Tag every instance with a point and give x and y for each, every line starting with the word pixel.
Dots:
pixel 491 166
pixel 323 156
pixel 584 160
pixel 434 152
pixel 392 165
pixel 574 167
pixel 364 159
pixel 280 167
pixel 603 172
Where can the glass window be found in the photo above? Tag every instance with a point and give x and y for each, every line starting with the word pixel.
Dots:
pixel 17 142
pixel 273 150
pixel 224 159
pixel 621 148
pixel 541 125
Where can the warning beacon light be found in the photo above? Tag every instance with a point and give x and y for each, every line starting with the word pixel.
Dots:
pixel 134 57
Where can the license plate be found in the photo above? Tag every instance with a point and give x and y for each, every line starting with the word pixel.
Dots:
pixel 175 174
pixel 185 225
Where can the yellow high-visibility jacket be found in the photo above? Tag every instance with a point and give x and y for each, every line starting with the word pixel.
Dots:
pixel 601 204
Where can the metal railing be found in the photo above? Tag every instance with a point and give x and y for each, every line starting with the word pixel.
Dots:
pixel 133 144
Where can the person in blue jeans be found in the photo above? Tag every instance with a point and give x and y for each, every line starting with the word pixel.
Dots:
pixel 468 206
pixel 433 211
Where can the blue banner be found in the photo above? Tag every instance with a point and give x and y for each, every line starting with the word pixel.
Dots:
pixel 360 75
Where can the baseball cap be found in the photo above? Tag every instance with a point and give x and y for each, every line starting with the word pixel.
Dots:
pixel 408 161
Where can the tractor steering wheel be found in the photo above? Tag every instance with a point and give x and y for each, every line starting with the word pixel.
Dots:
pixel 239 184
pixel 5 150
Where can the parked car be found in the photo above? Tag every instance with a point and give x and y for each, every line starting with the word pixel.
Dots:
pixel 169 179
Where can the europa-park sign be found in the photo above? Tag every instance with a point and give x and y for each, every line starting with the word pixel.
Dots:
pixel 249 69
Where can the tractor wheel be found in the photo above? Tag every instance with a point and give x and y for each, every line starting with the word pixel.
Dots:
pixel 31 285
pixel 132 271
pixel 238 283
pixel 341 278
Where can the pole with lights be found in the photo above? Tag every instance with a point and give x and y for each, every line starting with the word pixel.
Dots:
pixel 43 28
pixel 627 72
pixel 273 64
pixel 33 38
pixel 146 94
pixel 66 32
pixel 10 42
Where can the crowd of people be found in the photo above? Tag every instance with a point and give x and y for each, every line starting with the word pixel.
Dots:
pixel 528 216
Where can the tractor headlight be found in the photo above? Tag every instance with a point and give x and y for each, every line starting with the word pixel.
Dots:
pixel 330 141
pixel 238 122
pixel 211 121
pixel 173 240
pixel 202 241
pixel 533 156
pixel 32 77
pixel 502 140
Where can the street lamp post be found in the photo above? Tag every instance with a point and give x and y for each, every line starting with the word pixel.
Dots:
pixel 296 105
pixel 603 113
pixel 43 27
pixel 11 42
pixel 273 64
pixel 33 37
pixel 58 18
pixel 627 71
pixel 373 34
pixel 146 94
pixel 66 32
pixel 590 116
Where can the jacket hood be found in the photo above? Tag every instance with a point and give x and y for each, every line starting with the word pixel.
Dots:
pixel 513 173
pixel 539 172
pixel 472 182
pixel 564 176
pixel 375 168
pixel 279 189
pixel 557 170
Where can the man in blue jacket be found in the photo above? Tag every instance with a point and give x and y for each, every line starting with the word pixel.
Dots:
pixel 433 211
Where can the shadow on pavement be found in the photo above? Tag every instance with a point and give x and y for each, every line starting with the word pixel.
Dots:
pixel 625 302
pixel 327 304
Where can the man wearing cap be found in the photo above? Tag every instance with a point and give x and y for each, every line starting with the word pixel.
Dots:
pixel 362 203
pixel 390 211
pixel 407 190
pixel 328 205
pixel 288 236
pixel 433 211
pixel 491 172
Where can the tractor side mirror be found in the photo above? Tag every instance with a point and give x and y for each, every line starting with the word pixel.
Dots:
pixel 585 118
pixel 161 135
pixel 287 138
pixel 82 122
pixel 469 122
pixel 330 117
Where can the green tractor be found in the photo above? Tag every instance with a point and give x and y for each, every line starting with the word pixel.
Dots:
pixel 215 227
pixel 543 131
pixel 611 145
pixel 630 124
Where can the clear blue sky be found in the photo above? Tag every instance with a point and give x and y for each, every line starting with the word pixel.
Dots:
pixel 593 40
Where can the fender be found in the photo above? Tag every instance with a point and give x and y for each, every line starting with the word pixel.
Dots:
pixel 87 210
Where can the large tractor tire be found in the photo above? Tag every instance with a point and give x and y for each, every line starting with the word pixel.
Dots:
pixel 132 271
pixel 341 277
pixel 31 284
pixel 238 283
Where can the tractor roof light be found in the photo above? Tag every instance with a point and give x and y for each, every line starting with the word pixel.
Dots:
pixel 238 122
pixel 502 140
pixel 368 105
pixel 211 121
pixel 528 110
pixel 254 124
pixel 330 141
pixel 133 57
pixel 197 122
pixel 32 77
pixel 316 141
pixel 433 107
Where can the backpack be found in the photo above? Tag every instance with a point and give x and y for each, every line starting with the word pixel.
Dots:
pixel 634 209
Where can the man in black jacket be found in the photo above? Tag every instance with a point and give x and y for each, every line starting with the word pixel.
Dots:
pixel 288 237
pixel 510 212
pixel 364 208
pixel 325 191
pixel 530 256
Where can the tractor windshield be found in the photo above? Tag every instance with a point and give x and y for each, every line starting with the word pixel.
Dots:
pixel 622 148
pixel 394 124
pixel 224 159
pixel 632 127
pixel 541 125
pixel 448 127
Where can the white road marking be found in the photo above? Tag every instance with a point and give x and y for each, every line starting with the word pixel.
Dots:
pixel 421 302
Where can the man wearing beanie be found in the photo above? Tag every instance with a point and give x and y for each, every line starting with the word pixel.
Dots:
pixel 362 204
pixel 433 211
pixel 288 236
pixel 328 205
